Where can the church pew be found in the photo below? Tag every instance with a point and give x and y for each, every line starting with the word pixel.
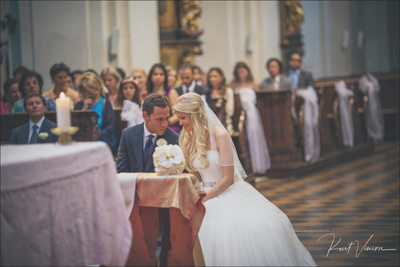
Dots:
pixel 85 120
pixel 284 135
pixel 240 135
pixel 274 107
pixel 389 95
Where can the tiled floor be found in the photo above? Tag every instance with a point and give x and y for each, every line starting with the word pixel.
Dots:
pixel 341 206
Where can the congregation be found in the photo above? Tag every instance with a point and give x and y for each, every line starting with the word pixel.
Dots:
pixel 112 89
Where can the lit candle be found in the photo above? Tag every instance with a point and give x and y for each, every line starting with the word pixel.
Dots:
pixel 63 105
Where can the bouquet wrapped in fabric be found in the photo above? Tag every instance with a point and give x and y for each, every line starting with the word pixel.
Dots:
pixel 168 159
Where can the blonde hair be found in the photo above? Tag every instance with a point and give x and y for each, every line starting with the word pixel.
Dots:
pixel 114 73
pixel 194 143
pixel 139 70
pixel 171 69
pixel 90 82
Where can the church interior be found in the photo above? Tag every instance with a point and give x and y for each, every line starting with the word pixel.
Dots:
pixel 333 148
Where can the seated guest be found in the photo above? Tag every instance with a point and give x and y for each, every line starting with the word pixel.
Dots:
pixel 19 72
pixel 92 71
pixel 198 75
pixel 157 82
pixel 243 78
pixel 70 81
pixel 244 85
pixel 188 83
pixel 11 95
pixel 121 73
pixel 172 76
pixel 140 77
pixel 129 100
pixel 3 108
pixel 276 80
pixel 75 76
pixel 90 88
pixel 220 98
pixel 111 79
pixel 299 77
pixel 59 75
pixel 172 79
pixel 37 130
pixel 32 82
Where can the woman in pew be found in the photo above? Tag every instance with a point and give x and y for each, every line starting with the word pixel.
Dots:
pixel 59 76
pixel 11 95
pixel 140 77
pixel 111 79
pixel 220 97
pixel 158 83
pixel 129 100
pixel 90 88
pixel 32 82
pixel 244 85
pixel 172 76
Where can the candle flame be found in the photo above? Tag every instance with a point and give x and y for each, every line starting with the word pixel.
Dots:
pixel 62 96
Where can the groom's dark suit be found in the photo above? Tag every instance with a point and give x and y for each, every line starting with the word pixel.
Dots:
pixel 130 153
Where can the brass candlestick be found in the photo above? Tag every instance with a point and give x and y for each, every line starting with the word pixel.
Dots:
pixel 64 136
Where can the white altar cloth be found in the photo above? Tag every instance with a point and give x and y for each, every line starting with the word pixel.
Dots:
pixel 62 205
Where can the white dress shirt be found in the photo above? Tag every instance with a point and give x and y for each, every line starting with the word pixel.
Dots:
pixel 276 81
pixel 39 124
pixel 146 136
pixel 190 89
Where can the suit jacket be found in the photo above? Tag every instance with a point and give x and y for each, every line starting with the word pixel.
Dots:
pixel 284 83
pixel 20 135
pixel 130 153
pixel 305 79
pixel 197 89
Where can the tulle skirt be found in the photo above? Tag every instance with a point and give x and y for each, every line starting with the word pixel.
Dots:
pixel 242 228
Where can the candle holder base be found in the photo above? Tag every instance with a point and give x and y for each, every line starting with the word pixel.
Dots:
pixel 64 136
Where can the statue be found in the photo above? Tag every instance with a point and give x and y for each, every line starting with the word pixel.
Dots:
pixel 294 17
pixel 190 17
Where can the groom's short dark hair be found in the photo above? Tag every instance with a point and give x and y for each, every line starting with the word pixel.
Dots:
pixel 154 100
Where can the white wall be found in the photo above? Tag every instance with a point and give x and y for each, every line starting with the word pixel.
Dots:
pixel 77 33
pixel 270 30
pixel 376 37
pixel 144 34
pixel 217 37
pixel 323 31
pixel 239 31
pixel 3 67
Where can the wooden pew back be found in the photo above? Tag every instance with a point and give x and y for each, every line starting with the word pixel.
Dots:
pixel 85 120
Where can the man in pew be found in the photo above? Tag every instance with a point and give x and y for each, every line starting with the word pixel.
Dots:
pixel 299 77
pixel 276 80
pixel 189 85
pixel 37 130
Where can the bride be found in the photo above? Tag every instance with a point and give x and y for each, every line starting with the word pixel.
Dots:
pixel 240 226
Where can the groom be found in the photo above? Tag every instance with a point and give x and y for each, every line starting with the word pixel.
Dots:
pixel 138 142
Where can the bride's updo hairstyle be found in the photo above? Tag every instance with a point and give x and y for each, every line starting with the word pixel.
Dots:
pixel 193 143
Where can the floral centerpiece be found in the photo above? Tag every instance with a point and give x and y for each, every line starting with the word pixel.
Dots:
pixel 168 159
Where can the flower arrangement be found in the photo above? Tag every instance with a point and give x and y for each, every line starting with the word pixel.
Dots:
pixel 168 159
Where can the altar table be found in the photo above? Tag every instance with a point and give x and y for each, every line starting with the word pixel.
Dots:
pixel 175 201
pixel 62 205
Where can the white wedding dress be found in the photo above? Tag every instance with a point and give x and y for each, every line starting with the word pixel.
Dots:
pixel 242 228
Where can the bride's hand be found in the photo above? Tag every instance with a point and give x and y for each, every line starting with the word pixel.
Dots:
pixel 204 197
